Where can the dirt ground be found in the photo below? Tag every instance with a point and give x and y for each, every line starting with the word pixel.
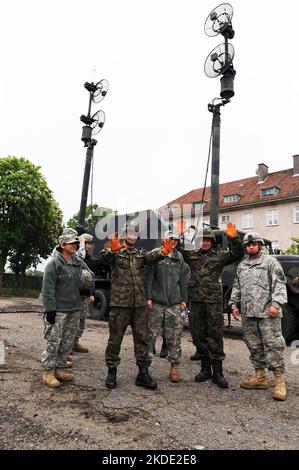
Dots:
pixel 85 415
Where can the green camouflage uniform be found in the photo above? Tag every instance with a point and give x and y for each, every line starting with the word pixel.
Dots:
pixel 205 294
pixel 128 302
pixel 259 284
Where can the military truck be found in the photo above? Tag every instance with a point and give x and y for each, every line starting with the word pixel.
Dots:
pixel 152 222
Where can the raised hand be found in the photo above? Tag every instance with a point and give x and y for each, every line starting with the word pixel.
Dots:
pixel 167 246
pixel 231 230
pixel 114 243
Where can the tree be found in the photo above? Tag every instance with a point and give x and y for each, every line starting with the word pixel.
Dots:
pixel 294 248
pixel 30 218
pixel 93 214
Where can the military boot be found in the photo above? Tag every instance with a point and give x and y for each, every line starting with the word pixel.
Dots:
pixel 280 391
pixel 68 364
pixel 49 379
pixel 64 375
pixel 77 347
pixel 195 357
pixel 164 349
pixel 174 374
pixel 111 378
pixel 217 377
pixel 206 371
pixel 143 379
pixel 258 382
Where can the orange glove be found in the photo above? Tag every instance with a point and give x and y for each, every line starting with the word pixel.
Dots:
pixel 181 226
pixel 231 231
pixel 167 246
pixel 114 243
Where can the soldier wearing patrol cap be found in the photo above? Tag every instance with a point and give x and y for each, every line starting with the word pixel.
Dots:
pixel 205 294
pixel 63 304
pixel 259 291
pixel 128 302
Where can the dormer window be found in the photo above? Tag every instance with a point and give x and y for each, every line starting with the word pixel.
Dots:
pixel 269 191
pixel 232 198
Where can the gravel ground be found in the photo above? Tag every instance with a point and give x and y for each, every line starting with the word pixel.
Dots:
pixel 85 415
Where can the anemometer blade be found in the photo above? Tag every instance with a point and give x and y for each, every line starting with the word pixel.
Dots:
pixel 219 19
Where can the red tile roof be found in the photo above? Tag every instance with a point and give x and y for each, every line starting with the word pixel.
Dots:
pixel 249 189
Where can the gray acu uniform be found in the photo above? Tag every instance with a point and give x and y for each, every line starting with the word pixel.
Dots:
pixel 259 284
pixel 166 285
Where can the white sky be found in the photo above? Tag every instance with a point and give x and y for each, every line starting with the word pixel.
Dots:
pixel 153 147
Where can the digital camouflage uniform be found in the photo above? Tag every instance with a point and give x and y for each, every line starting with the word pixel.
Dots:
pixel 166 286
pixel 205 294
pixel 128 302
pixel 259 284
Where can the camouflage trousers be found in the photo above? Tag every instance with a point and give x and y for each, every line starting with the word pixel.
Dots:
pixel 265 342
pixel 119 319
pixel 206 322
pixel 60 338
pixel 83 315
pixel 169 319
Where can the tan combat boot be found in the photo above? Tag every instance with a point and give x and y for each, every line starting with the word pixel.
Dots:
pixel 49 379
pixel 68 364
pixel 280 391
pixel 64 375
pixel 174 373
pixel 259 382
pixel 77 347
pixel 69 358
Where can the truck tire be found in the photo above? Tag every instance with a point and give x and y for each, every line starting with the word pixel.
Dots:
pixel 288 323
pixel 98 308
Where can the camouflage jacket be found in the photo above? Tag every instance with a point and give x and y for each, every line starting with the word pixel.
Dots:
pixel 127 274
pixel 205 270
pixel 259 284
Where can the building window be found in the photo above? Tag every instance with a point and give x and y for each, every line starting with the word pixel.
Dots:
pixel 296 215
pixel 232 198
pixel 272 217
pixel 247 220
pixel 225 218
pixel 275 245
pixel 269 191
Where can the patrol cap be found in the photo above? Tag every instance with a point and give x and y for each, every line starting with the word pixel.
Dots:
pixel 67 238
pixel 70 231
pixel 208 233
pixel 253 237
pixel 87 237
pixel 172 234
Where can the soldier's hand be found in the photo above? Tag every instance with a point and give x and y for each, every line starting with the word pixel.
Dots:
pixel 236 313
pixel 231 230
pixel 50 317
pixel 149 304
pixel 90 299
pixel 183 305
pixel 273 311
pixel 114 243
pixel 167 246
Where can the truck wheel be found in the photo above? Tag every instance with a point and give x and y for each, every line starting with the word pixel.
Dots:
pixel 288 323
pixel 98 308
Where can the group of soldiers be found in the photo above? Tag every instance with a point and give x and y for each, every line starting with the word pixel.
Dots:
pixel 150 290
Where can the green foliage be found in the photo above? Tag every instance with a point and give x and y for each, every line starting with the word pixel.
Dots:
pixel 93 214
pixel 294 248
pixel 30 218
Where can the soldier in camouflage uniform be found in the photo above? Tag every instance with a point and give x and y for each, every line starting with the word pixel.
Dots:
pixel 128 302
pixel 62 308
pixel 259 291
pixel 166 294
pixel 205 294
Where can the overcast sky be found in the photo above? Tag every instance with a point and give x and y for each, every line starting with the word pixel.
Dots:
pixel 153 147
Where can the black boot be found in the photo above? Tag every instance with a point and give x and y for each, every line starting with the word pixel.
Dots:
pixel 218 374
pixel 195 357
pixel 206 372
pixel 111 378
pixel 164 349
pixel 143 379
